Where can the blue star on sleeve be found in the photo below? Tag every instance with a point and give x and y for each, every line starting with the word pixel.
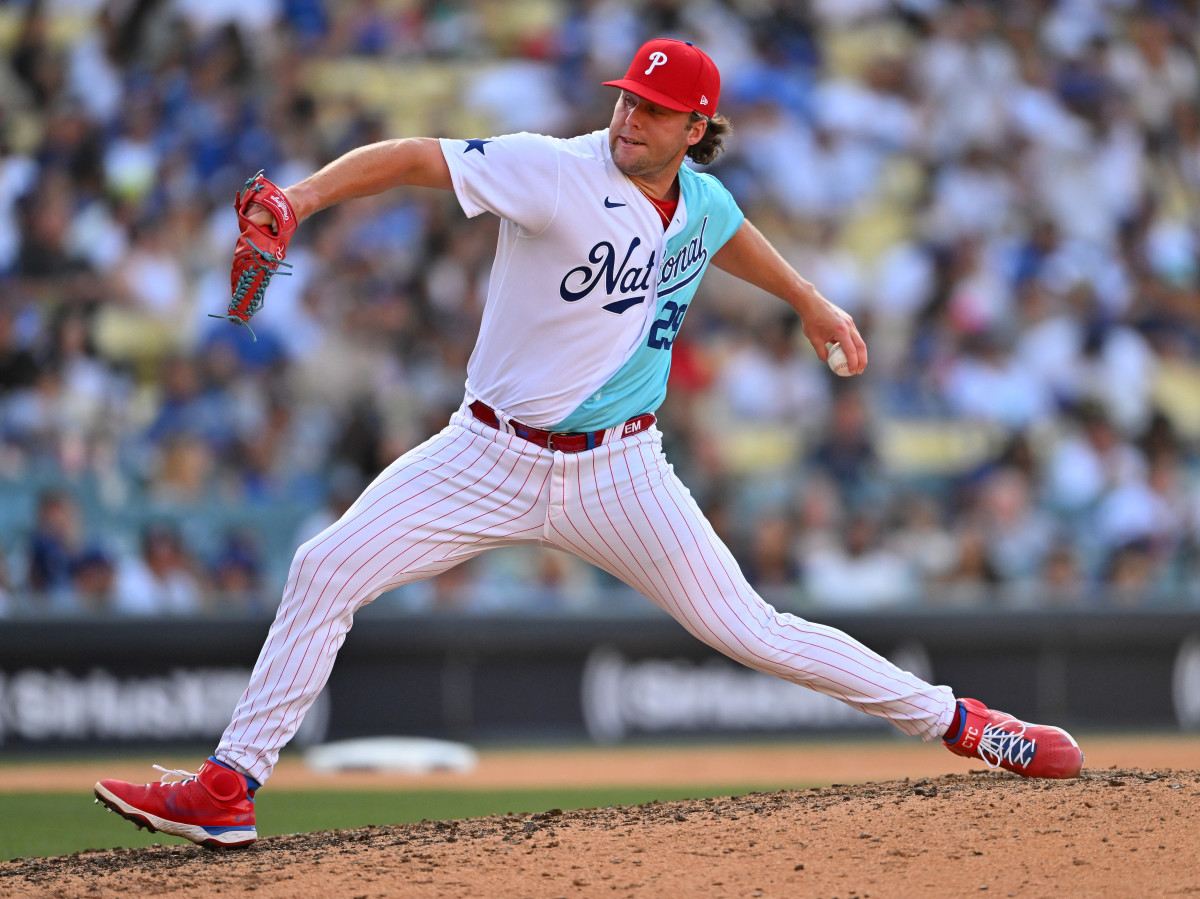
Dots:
pixel 476 144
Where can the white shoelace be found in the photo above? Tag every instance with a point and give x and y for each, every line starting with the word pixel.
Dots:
pixel 184 776
pixel 998 745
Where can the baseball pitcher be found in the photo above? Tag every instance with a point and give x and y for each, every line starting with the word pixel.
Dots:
pixel 603 241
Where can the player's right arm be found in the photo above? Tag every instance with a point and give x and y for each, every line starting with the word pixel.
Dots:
pixel 368 170
pixel 750 256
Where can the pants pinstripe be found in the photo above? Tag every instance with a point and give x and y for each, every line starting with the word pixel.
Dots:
pixel 620 507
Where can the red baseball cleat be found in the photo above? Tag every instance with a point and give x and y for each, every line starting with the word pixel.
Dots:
pixel 1031 750
pixel 213 807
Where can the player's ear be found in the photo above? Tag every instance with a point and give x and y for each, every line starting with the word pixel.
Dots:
pixel 696 129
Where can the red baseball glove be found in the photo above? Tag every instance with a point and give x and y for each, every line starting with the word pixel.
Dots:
pixel 260 250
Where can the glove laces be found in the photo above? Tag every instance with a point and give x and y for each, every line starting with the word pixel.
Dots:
pixel 257 275
pixel 998 745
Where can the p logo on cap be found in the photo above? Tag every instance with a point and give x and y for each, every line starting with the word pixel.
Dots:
pixel 657 58
pixel 674 74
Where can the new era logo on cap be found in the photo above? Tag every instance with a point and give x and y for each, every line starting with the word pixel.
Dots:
pixel 674 74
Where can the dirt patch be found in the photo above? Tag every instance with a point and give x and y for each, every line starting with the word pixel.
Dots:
pixel 1117 832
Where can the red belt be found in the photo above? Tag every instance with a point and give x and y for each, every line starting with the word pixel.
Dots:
pixel 561 441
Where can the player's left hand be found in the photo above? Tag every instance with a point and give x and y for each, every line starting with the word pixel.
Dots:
pixel 824 323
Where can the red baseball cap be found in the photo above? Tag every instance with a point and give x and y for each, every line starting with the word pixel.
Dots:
pixel 674 74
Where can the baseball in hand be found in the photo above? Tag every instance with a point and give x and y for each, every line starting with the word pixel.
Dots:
pixel 836 359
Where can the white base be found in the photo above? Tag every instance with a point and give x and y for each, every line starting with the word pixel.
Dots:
pixel 408 755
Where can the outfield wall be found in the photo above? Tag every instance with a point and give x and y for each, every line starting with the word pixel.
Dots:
pixel 121 683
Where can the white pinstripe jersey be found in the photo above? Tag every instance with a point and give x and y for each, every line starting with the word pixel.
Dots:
pixel 587 292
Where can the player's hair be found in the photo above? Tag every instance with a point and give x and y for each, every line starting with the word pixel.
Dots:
pixel 709 147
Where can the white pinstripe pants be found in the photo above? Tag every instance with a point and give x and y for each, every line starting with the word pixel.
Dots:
pixel 620 507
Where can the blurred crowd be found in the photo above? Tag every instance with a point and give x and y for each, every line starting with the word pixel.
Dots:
pixel 1004 195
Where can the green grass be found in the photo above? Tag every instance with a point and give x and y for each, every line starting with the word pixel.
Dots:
pixel 47 824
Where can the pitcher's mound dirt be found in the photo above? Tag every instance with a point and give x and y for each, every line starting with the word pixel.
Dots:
pixel 1113 833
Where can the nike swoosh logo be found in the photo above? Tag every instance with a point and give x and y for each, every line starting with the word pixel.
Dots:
pixel 619 306
pixel 610 204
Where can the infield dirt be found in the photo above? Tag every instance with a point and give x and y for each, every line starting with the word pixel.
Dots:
pixel 1117 832
pixel 1127 827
